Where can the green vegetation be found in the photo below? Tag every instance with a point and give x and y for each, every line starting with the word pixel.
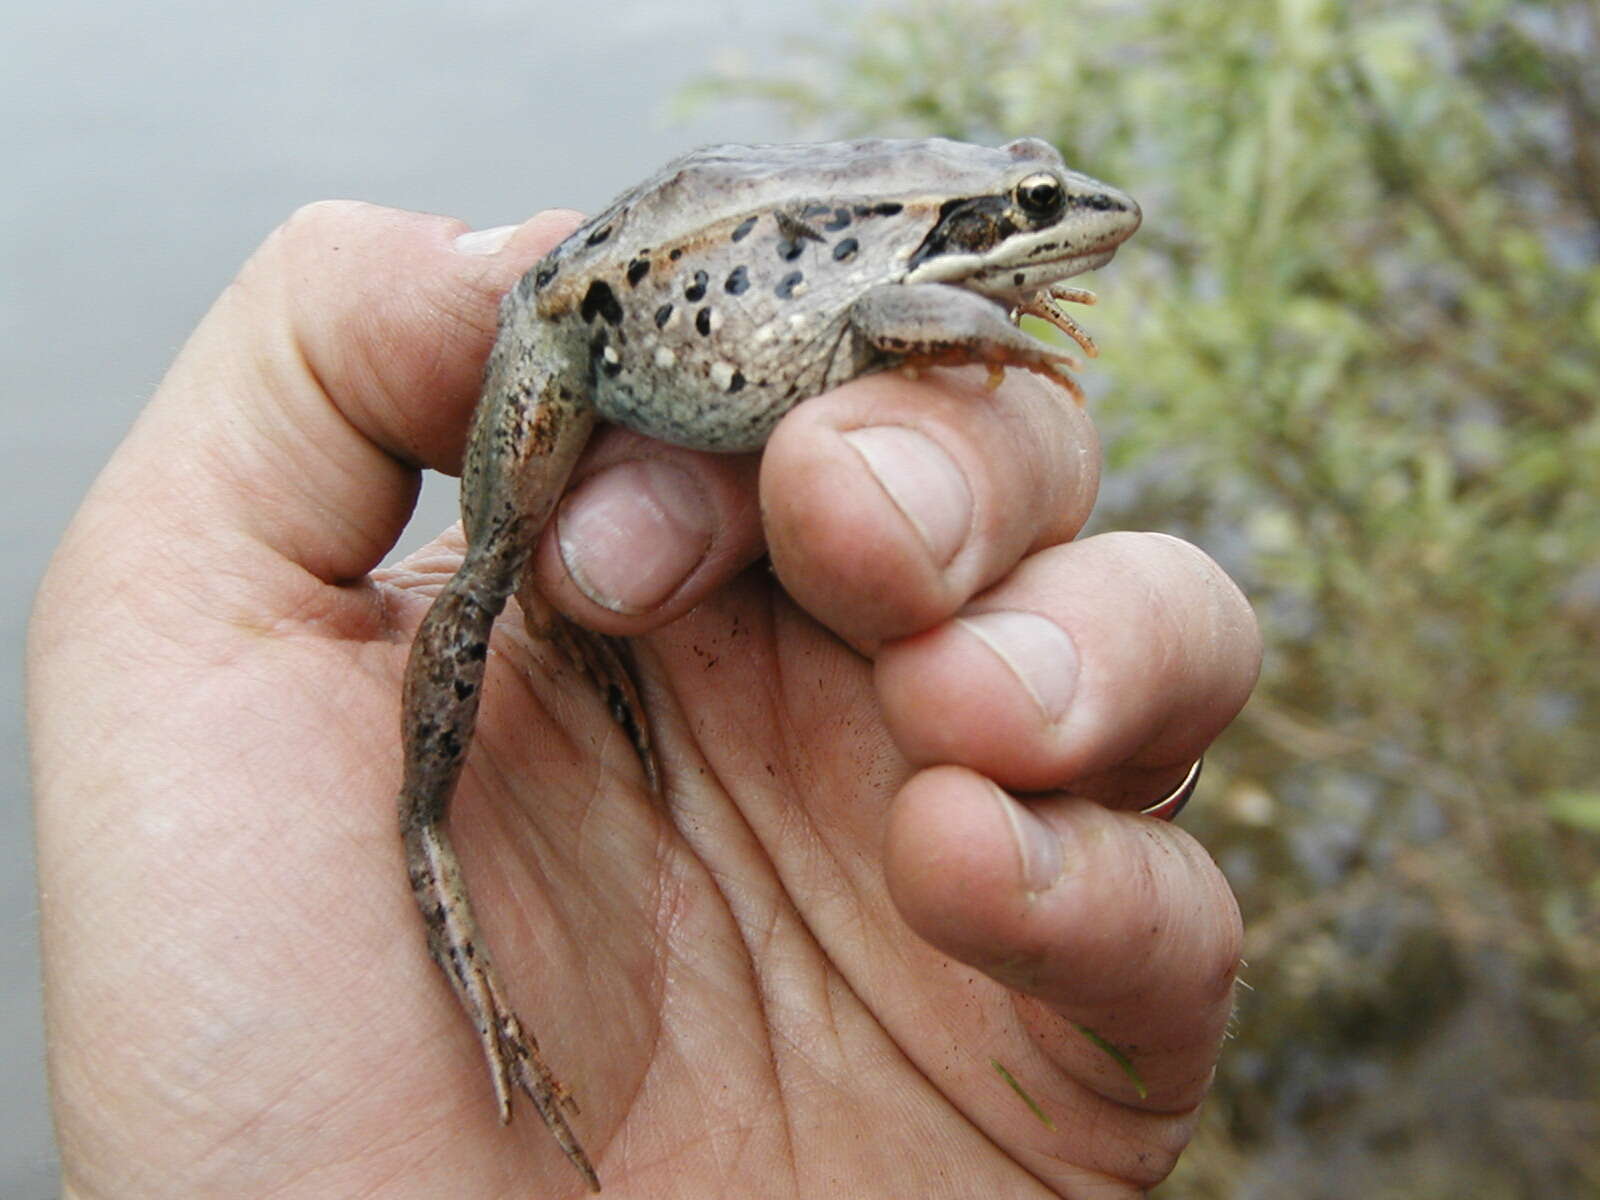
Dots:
pixel 1354 353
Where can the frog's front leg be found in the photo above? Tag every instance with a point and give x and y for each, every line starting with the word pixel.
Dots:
pixel 935 324
pixel 531 424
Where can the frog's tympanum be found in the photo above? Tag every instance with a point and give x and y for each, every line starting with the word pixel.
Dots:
pixel 699 308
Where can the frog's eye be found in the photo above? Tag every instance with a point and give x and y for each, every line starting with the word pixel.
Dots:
pixel 1041 195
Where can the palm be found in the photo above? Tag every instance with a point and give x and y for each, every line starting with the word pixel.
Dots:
pixel 719 972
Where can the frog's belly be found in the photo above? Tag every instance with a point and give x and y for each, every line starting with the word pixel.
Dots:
pixel 702 419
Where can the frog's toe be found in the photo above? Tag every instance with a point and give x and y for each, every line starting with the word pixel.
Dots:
pixel 518 1051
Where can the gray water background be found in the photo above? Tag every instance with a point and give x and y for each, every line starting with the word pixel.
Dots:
pixel 148 148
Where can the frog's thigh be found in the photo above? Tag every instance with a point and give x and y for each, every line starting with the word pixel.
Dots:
pixel 932 322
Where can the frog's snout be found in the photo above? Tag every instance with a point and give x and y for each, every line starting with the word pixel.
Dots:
pixel 1113 214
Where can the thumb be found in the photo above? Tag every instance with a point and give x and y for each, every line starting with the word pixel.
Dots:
pixel 346 356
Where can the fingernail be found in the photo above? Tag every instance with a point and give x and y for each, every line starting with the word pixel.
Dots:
pixel 631 534
pixel 1038 846
pixel 485 241
pixel 923 481
pixel 1038 653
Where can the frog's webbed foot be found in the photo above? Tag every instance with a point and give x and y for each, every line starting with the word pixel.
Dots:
pixel 935 325
pixel 511 1051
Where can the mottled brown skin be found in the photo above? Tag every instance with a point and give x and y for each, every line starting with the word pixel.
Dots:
pixel 699 308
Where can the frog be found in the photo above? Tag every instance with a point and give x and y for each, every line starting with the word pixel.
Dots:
pixel 699 308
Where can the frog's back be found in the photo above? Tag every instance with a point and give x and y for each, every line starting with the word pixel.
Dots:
pixel 727 183
pixel 715 295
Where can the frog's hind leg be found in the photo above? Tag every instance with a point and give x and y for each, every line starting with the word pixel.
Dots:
pixel 608 664
pixel 528 432
pixel 934 324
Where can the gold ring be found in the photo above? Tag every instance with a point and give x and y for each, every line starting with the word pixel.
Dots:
pixel 1170 805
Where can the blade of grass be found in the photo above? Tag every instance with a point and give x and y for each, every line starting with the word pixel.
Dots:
pixel 1116 1056
pixel 1011 1081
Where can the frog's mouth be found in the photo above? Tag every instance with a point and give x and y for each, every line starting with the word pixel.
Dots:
pixel 1022 279
pixel 1023 271
pixel 1015 278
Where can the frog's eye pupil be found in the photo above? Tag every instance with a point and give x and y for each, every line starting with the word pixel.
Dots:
pixel 1040 194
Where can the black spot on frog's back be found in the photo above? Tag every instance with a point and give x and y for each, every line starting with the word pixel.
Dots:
pixel 838 216
pixel 601 301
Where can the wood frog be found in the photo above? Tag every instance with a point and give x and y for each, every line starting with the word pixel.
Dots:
pixel 699 308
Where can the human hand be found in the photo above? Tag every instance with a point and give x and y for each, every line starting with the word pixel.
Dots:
pixel 237 989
